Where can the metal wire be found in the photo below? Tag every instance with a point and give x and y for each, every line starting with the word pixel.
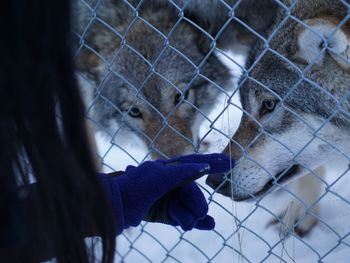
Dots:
pixel 227 243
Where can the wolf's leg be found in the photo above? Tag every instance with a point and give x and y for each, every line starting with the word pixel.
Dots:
pixel 308 189
pixel 299 213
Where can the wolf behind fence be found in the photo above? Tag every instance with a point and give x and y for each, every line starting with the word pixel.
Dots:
pixel 152 68
pixel 297 107
pixel 156 74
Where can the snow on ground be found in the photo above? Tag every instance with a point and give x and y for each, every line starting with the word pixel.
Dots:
pixel 252 241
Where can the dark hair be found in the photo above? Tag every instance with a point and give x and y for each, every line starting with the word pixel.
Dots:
pixel 42 128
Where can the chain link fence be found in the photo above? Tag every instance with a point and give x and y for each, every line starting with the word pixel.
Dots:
pixel 165 78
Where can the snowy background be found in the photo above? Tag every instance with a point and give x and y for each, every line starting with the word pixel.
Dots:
pixel 251 241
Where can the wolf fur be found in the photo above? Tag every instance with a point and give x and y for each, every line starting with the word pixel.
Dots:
pixel 151 73
pixel 148 70
pixel 296 109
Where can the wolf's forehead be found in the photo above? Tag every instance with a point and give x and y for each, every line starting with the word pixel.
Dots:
pixel 153 94
pixel 158 93
pixel 275 75
pixel 137 69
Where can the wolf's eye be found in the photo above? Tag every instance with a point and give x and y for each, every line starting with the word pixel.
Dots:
pixel 135 113
pixel 267 106
pixel 178 97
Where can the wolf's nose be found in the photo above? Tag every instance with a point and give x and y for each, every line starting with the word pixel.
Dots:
pixel 215 180
pixel 220 184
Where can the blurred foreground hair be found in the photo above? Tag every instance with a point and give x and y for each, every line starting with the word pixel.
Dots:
pixel 67 203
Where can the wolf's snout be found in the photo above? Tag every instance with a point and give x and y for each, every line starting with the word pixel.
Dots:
pixel 215 180
pixel 169 139
pixel 219 183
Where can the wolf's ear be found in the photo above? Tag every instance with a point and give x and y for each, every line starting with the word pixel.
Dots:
pixel 258 15
pixel 319 33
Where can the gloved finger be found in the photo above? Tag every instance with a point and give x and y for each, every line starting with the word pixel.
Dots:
pixel 207 223
pixel 219 163
pixel 182 216
pixel 195 158
pixel 191 198
pixel 203 157
pixel 129 168
pixel 181 174
pixel 165 178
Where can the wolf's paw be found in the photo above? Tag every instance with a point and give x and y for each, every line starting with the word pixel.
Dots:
pixel 295 220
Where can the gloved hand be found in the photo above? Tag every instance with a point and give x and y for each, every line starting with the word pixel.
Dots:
pixel 163 191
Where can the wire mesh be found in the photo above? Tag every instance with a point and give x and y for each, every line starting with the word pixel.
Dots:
pixel 164 78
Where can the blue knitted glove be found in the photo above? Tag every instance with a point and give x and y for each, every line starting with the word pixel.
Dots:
pixel 163 191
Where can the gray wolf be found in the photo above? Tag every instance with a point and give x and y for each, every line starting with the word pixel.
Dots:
pixel 296 109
